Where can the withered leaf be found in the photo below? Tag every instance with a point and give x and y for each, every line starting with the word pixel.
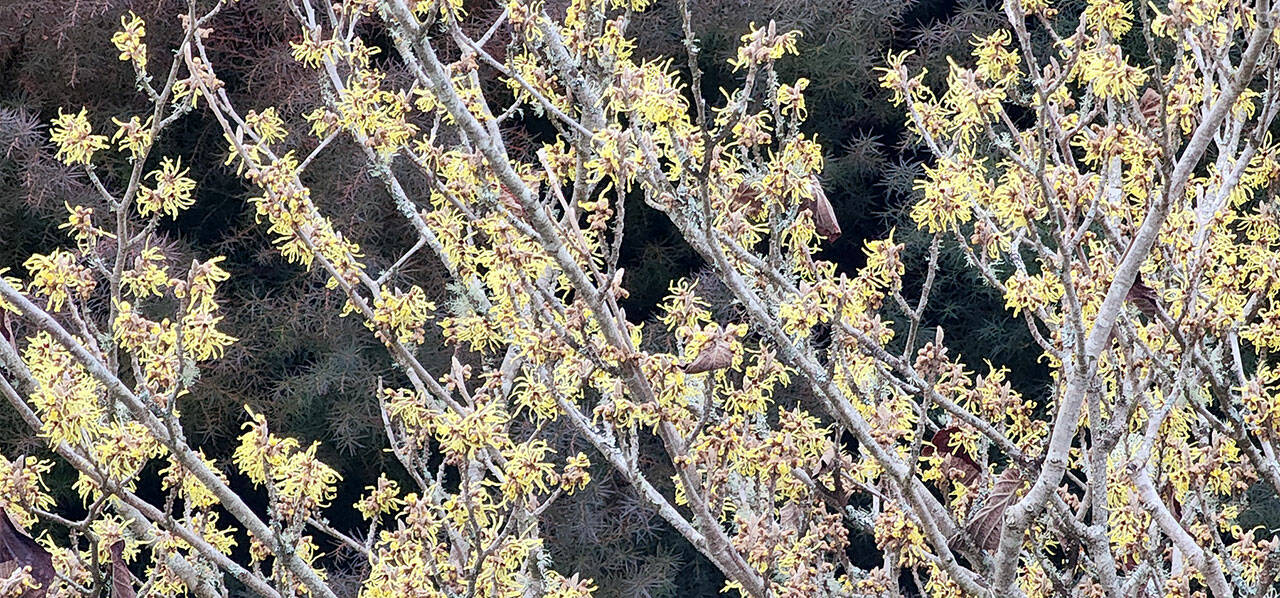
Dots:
pixel 828 460
pixel 121 579
pixel 18 550
pixel 1143 297
pixel 791 516
pixel 715 355
pixel 746 197
pixel 824 216
pixel 984 525
pixel 1149 106
pixel 961 466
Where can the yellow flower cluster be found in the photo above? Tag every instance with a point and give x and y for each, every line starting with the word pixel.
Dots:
pixel 148 276
pixel 314 50
pixel 129 41
pixel 1114 16
pixel 172 192
pixel 951 188
pixel 1107 71
pixel 461 437
pixel 764 45
pixel 67 397
pixel 156 344
pixel 367 110
pixel 75 138
pixel 59 277
pixel 402 314
pixel 80 223
pixel 302 232
pixel 1031 292
pixel 267 125
pixel 896 533
pixel 382 498
pixel 133 136
pixel 302 484
pixel 22 488
pixel 189 487
pixel 527 470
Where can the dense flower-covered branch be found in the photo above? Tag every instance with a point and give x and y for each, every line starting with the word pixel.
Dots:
pixel 1122 211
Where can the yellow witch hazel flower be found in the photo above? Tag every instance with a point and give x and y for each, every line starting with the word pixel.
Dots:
pixel 22 485
pixel 191 488
pixel 315 49
pixel 791 99
pixel 133 136
pixel 172 193
pixel 1107 71
pixel 636 5
pixel 80 224
pixel 950 190
pixel 559 586
pixel 201 338
pixel 380 499
pixel 995 61
pixel 75 138
pixel 762 45
pixel 1112 15
pixel 268 125
pixel 204 278
pixel 576 474
pixel 1031 292
pixel 13 282
pixel 527 470
pixel 148 276
pixel 59 276
pixel 301 481
pixel 66 395
pixel 405 314
pixel 129 40
pixel 449 10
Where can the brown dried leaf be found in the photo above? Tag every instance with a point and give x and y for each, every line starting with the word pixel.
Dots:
pixel 17 549
pixel 962 467
pixel 746 197
pixel 1149 107
pixel 121 579
pixel 791 516
pixel 1143 297
pixel 824 216
pixel 984 525
pixel 715 355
